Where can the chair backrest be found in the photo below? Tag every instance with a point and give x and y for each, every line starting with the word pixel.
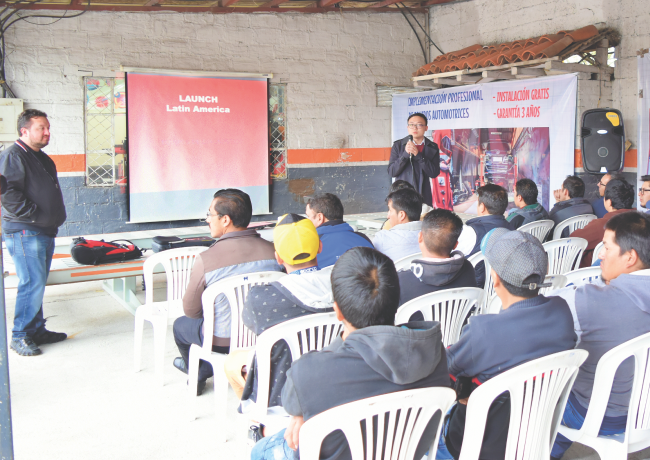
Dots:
pixel 638 415
pixel 583 276
pixel 538 229
pixel 450 307
pixel 596 253
pixel 564 255
pixel 405 262
pixel 538 393
pixel 573 224
pixel 235 288
pixel 488 287
pixel 400 418
pixel 177 264
pixel 557 282
pixel 304 334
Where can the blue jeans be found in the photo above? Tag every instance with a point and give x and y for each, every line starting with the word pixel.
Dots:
pixel 574 417
pixel 32 255
pixel 272 448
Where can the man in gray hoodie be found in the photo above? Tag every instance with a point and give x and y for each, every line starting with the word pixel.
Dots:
pixel 607 314
pixel 367 360
pixel 404 207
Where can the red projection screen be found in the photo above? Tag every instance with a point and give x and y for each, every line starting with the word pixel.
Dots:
pixel 190 136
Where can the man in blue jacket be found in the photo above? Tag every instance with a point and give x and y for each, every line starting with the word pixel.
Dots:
pixel 326 213
pixel 32 212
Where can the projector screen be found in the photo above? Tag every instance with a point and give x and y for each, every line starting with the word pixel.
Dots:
pixel 190 136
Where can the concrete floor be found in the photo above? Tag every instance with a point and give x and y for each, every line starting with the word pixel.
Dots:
pixel 81 399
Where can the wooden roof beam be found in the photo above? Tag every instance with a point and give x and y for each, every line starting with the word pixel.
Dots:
pixel 436 2
pixel 384 3
pixel 327 3
pixel 227 3
pixel 273 3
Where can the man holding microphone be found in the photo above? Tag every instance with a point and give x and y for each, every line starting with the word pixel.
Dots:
pixel 415 158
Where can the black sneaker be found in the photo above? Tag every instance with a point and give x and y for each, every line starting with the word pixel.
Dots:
pixel 44 336
pixel 24 346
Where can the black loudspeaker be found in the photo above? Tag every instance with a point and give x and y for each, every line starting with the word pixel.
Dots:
pixel 602 140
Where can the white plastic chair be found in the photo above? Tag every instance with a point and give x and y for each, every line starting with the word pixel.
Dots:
pixel 538 393
pixel 450 307
pixel 235 288
pixel 405 262
pixel 488 287
pixel 597 249
pixel 539 229
pixel 573 224
pixel 583 276
pixel 564 255
pixel 557 281
pixel 178 265
pixel 401 418
pixel 637 431
pixel 304 334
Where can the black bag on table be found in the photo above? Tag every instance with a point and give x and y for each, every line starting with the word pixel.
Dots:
pixel 91 252
pixel 162 243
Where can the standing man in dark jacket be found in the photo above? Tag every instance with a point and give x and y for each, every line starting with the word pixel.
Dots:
pixel 32 212
pixel 415 158
pixel 528 327
pixel 492 203
pixel 368 359
pixel 326 213
pixel 570 202
pixel 441 267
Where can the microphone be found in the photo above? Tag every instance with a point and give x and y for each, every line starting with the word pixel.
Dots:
pixel 410 138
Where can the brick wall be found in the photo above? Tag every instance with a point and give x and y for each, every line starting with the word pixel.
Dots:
pixel 330 62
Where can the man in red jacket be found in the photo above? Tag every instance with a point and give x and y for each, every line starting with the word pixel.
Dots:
pixel 619 198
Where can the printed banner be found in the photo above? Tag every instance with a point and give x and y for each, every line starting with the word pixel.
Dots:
pixel 191 136
pixel 643 109
pixel 496 133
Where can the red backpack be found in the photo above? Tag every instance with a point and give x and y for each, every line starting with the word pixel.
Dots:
pixel 90 252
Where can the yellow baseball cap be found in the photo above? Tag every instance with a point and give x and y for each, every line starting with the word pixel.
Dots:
pixel 295 239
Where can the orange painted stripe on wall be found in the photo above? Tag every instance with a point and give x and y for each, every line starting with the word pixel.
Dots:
pixel 630 160
pixel 70 163
pixel 303 156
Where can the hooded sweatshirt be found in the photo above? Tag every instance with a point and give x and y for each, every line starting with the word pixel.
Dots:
pixel 564 210
pixel 526 215
pixel 371 361
pixel 431 275
pixel 607 316
pixel 337 237
pixel 297 294
pixel 400 241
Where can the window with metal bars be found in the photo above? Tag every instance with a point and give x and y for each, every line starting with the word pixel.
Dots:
pixel 105 131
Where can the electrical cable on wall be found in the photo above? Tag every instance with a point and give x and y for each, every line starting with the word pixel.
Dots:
pixel 424 53
pixel 5 25
pixel 423 29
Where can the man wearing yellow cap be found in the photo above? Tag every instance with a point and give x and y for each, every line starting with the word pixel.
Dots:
pixel 304 291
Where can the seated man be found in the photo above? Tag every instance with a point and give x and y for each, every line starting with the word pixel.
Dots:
pixel 366 360
pixel 528 327
pixel 599 203
pixel 570 202
pixel 619 198
pixel 441 267
pixel 527 208
pixel 326 213
pixel 305 290
pixel 644 193
pixel 238 251
pixel 398 185
pixel 492 203
pixel 607 314
pixel 401 240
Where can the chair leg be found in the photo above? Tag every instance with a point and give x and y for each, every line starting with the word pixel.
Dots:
pixel 159 338
pixel 137 342
pixel 221 401
pixel 193 378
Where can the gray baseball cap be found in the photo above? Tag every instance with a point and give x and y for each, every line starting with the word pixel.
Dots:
pixel 517 257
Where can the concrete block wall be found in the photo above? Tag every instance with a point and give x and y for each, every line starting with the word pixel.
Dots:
pixel 330 63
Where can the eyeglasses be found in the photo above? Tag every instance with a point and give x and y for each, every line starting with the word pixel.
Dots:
pixel 208 215
pixel 418 126
pixel 600 184
pixel 643 190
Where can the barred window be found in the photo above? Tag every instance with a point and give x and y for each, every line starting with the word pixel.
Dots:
pixel 278 130
pixel 105 119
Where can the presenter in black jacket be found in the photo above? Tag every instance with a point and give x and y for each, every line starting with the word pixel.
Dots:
pixel 415 158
